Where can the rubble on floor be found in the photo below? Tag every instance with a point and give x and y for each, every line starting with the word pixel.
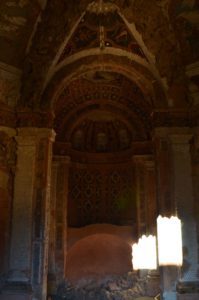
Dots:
pixel 127 287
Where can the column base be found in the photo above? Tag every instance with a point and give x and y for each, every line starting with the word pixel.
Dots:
pixel 15 297
pixel 153 283
pixel 188 291
pixel 16 291
pixel 169 296
pixel 188 296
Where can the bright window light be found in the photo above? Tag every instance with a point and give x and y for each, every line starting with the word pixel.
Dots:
pixel 169 241
pixel 144 253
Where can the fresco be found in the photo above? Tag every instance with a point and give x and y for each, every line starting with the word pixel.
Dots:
pixel 94 30
pixel 9 91
pixel 186 14
pixel 12 18
pixel 17 18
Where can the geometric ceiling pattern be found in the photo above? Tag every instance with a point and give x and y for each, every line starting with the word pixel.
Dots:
pixel 107 93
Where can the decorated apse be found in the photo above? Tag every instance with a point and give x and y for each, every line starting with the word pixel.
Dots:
pixel 102 114
pixel 100 134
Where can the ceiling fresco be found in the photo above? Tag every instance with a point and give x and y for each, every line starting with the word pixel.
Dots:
pixel 119 81
pixel 101 31
pixel 57 43
pixel 104 92
pixel 100 86
pixel 17 19
pixel 185 17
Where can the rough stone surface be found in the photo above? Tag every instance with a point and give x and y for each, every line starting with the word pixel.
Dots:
pixel 15 297
pixel 188 296
pixel 126 287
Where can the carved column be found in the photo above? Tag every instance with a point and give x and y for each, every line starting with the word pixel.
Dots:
pixel 146 194
pixel 7 169
pixel 140 195
pixel 147 210
pixel 163 173
pixel 52 285
pixel 41 212
pixel 30 220
pixel 151 201
pixel 176 185
pixel 166 206
pixel 195 168
pixel 60 195
pixel 183 198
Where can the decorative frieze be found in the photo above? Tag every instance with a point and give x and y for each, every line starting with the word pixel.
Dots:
pixel 10 84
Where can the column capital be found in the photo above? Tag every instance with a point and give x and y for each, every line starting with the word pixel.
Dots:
pixel 196 137
pixel 66 159
pixel 180 138
pixel 26 140
pixel 11 132
pixel 164 132
pixel 34 132
pixel 196 141
pixel 150 164
pixel 143 158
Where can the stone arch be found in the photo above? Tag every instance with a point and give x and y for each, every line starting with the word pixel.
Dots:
pixel 47 41
pixel 153 92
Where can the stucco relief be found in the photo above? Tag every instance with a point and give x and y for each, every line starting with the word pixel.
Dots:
pixel 17 3
pixel 96 135
pixel 148 18
pixel 12 18
pixel 185 16
pixel 10 84
pixel 17 18
pixel 7 150
pixel 10 91
pixel 11 24
pixel 56 23
pixel 101 28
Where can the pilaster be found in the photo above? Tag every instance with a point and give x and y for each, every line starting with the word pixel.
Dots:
pixel 41 212
pixel 146 193
pixel 195 163
pixel 147 211
pixel 7 171
pixel 60 172
pixel 30 216
pixel 163 172
pixel 184 202
pixel 180 187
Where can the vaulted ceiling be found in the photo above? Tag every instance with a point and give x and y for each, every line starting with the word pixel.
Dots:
pixel 125 58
